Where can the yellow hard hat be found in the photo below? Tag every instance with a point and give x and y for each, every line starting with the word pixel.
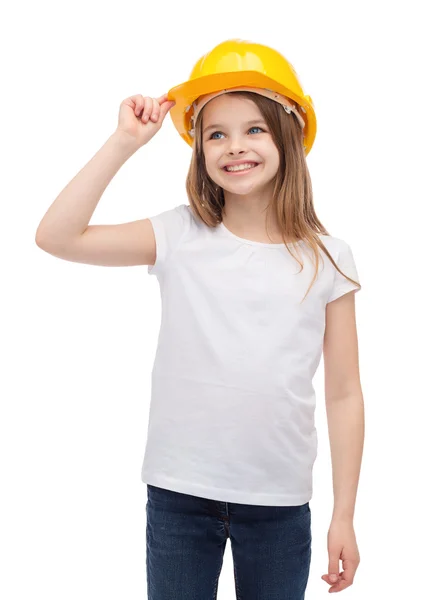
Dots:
pixel 238 64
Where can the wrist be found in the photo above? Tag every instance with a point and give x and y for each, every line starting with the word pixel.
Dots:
pixel 342 516
pixel 124 142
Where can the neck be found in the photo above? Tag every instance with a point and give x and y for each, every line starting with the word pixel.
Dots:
pixel 252 221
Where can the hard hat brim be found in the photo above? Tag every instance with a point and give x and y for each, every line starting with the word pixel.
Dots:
pixel 186 93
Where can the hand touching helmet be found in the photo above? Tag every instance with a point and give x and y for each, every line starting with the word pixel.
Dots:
pixel 141 117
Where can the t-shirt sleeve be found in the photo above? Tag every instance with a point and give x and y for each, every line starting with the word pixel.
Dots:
pixel 346 262
pixel 169 227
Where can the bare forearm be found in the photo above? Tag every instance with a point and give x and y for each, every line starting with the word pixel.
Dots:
pixel 346 426
pixel 71 211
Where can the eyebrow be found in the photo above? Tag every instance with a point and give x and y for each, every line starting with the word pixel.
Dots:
pixel 247 123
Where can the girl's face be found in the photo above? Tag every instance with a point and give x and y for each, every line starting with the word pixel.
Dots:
pixel 233 129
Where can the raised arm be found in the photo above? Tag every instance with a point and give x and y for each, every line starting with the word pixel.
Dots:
pixel 64 230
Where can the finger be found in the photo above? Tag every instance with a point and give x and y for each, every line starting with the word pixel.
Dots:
pixel 162 99
pixel 343 583
pixel 339 587
pixel 147 109
pixel 164 109
pixel 155 110
pixel 139 105
pixel 136 100
pixel 327 580
pixel 333 566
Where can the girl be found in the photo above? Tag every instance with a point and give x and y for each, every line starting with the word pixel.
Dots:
pixel 253 289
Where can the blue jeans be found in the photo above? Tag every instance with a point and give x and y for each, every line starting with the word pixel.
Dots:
pixel 186 537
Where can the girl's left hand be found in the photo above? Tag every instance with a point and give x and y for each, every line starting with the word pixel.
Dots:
pixel 341 546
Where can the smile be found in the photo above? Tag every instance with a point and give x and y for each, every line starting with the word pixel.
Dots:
pixel 240 170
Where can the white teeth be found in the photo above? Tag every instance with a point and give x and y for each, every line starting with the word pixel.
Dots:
pixel 241 167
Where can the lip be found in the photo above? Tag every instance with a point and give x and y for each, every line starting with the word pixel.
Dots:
pixel 233 163
pixel 243 172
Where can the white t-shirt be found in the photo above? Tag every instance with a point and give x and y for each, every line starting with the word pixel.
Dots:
pixel 232 409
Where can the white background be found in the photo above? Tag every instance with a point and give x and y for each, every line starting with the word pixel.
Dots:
pixel 78 341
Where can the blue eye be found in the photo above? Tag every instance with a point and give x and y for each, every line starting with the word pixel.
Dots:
pixel 212 138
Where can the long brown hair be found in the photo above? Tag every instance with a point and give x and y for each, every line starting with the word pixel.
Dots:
pixel 292 199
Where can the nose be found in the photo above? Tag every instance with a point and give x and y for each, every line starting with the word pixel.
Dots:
pixel 236 149
pixel 236 145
